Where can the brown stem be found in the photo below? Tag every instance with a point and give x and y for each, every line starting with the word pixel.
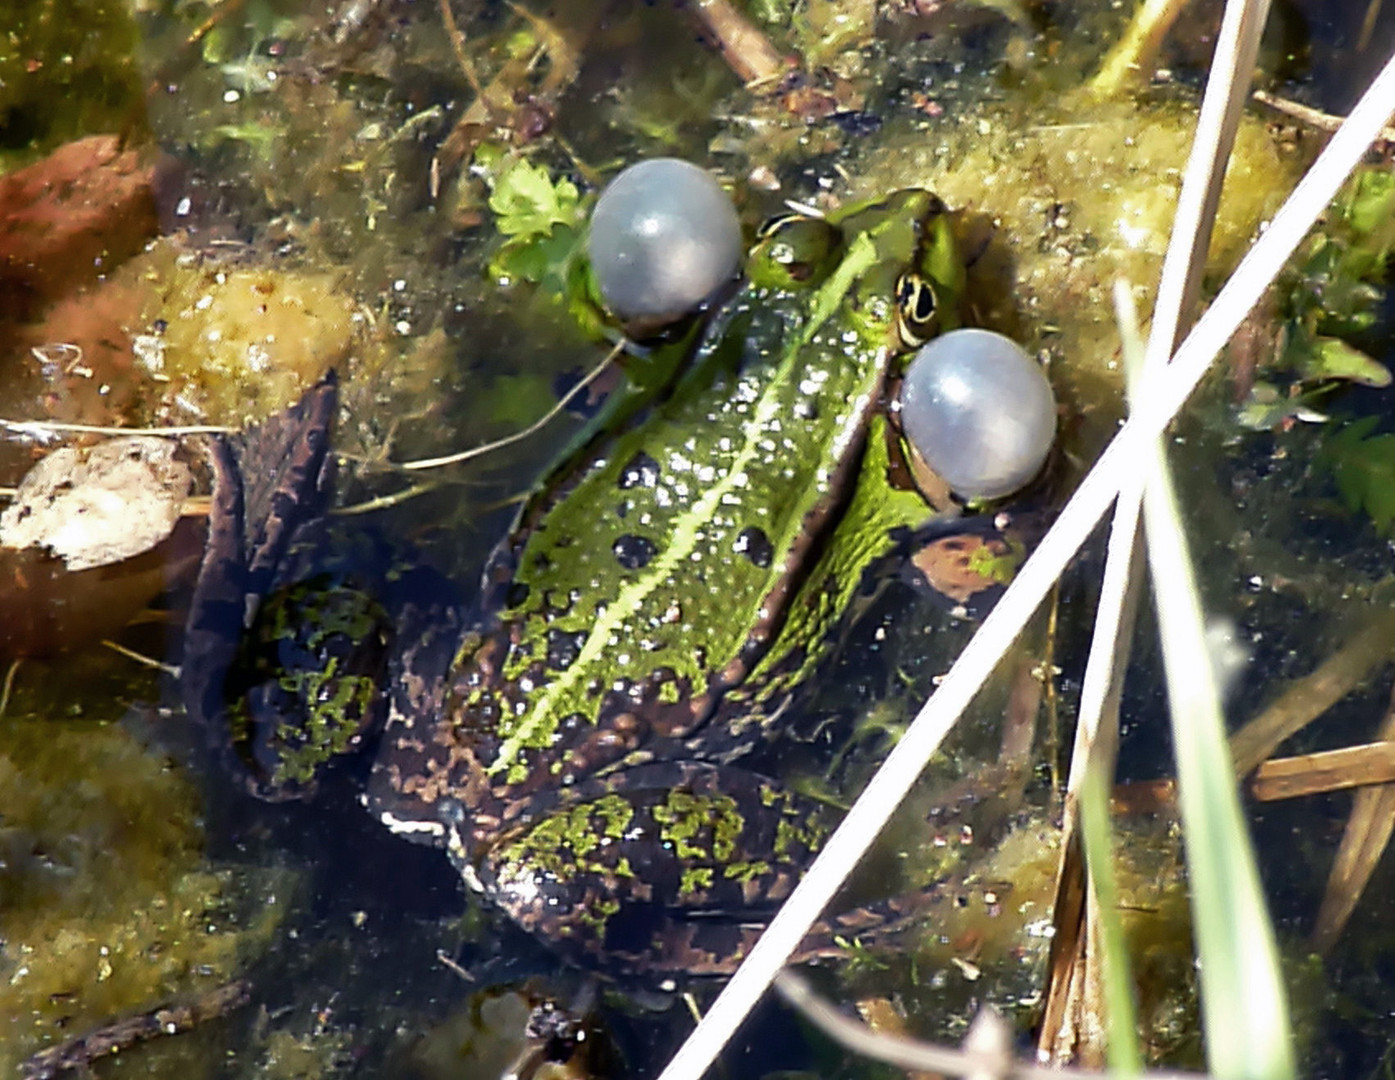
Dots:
pixel 79 1052
pixel 747 51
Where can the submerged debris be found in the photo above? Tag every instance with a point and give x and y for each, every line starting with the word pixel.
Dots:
pixel 99 506
pixel 79 1052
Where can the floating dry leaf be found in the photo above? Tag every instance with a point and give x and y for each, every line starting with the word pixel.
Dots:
pixel 87 543
pixel 96 506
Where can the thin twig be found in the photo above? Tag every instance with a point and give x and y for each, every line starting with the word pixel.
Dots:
pixel 221 13
pixel 8 687
pixel 449 963
pixel 1222 106
pixel 385 502
pixel 909 1053
pixel 517 436
pixel 1131 59
pixel 35 427
pixel 1096 741
pixel 1313 118
pixel 747 51
pixel 1328 770
pixel 1179 286
pixel 1309 697
pixel 1364 841
pixel 1245 1014
pixel 457 44
pixel 1368 25
pixel 1164 395
pixel 494 104
pixel 141 658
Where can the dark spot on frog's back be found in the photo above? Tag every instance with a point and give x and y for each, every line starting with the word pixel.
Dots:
pixel 640 471
pixel 563 648
pixel 755 545
pixel 634 552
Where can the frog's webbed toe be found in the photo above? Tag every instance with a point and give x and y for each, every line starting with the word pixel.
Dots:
pixel 419 779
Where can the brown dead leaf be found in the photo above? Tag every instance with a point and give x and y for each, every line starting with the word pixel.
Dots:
pixel 97 506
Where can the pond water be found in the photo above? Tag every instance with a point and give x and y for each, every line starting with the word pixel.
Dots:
pixel 397 190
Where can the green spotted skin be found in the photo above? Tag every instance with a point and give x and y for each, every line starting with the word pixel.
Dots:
pixel 663 595
pixel 305 687
pixel 650 875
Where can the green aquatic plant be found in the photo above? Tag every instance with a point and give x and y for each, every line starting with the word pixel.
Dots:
pixel 1330 295
pixel 542 221
pixel 1362 462
pixel 539 217
pixel 1334 294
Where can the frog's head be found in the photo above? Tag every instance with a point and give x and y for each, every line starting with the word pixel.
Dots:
pixel 891 266
pixel 914 278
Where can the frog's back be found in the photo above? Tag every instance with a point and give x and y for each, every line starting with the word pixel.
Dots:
pixel 643 589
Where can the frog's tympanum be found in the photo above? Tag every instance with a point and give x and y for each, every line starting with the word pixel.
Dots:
pixel 576 746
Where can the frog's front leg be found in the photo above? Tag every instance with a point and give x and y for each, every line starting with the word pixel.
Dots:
pixel 659 868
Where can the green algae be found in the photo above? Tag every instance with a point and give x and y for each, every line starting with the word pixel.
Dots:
pixel 108 906
pixel 67 68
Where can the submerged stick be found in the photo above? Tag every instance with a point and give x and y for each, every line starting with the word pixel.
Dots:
pixel 1364 841
pixel 79 1052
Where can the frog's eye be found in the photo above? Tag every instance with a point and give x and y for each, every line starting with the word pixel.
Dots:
pixel 916 310
pixel 793 250
pixel 775 224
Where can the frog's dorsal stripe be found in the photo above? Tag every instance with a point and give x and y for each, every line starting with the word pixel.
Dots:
pixel 684 537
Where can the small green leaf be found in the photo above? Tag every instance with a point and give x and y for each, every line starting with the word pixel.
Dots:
pixel 773 12
pixel 1333 358
pixel 1363 467
pixel 542 259
pixel 528 203
pixel 1372 201
pixel 489 159
pixel 543 222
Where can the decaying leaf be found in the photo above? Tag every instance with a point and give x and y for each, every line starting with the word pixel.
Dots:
pixel 87 543
pixel 92 507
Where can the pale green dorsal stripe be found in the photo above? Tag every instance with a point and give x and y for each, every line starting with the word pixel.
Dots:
pixel 862 253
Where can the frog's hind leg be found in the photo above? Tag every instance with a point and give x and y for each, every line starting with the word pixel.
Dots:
pixel 272 485
pixel 268 482
pixel 666 868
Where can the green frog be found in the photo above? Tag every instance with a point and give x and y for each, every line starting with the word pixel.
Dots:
pixel 665 594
